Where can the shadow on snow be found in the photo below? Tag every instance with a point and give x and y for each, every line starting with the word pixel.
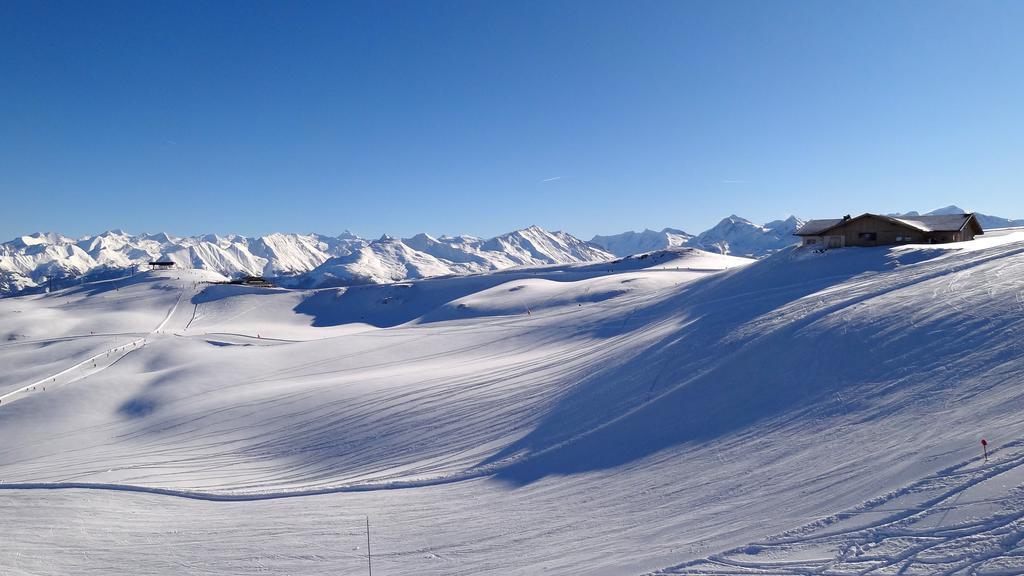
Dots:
pixel 743 356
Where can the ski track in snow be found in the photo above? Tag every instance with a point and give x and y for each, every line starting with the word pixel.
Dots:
pixel 907 531
pixel 100 361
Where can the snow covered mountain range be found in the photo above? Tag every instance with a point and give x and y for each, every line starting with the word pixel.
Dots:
pixel 987 221
pixel 29 262
pixel 733 235
pixel 740 237
pixel 391 259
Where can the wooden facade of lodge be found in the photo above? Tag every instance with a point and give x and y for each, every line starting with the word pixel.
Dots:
pixel 878 230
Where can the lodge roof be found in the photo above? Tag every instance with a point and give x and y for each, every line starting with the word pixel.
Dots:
pixel 815 227
pixel 939 223
pixel 943 223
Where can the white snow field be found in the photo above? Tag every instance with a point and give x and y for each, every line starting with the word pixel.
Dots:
pixel 677 413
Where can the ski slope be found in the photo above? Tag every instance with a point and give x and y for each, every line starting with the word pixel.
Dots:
pixel 681 413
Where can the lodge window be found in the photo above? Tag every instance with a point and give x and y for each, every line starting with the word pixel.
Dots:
pixel 868 236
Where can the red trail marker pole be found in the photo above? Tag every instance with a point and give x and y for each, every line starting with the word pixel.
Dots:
pixel 984 447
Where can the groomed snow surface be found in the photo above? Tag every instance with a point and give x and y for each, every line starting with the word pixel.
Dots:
pixel 677 413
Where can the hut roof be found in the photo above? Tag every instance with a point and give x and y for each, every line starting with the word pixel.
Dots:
pixel 944 223
pixel 939 223
pixel 814 227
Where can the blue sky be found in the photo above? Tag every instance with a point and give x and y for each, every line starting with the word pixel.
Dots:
pixel 482 117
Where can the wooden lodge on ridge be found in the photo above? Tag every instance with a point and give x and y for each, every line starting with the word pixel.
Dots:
pixel 878 230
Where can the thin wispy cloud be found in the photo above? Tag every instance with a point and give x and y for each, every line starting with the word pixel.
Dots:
pixel 733 181
pixel 551 179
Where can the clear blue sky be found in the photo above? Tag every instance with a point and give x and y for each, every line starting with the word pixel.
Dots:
pixel 484 116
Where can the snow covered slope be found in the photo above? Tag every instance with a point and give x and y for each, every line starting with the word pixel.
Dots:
pixel 681 413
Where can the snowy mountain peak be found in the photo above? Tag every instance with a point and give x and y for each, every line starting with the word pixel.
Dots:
pixel 421 238
pixel 951 209
pixel 732 235
pixel 40 239
pixel 294 259
pixel 158 237
pixel 788 225
pixel 648 240
pixel 422 256
pixel 792 220
pixel 734 220
pixel 535 246
pixel 987 221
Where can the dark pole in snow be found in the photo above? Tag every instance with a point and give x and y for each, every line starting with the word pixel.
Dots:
pixel 369 564
pixel 984 447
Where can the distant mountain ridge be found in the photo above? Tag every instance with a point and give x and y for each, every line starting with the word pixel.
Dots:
pixel 740 237
pixel 734 236
pixel 27 263
pixel 628 243
pixel 390 259
pixel 987 221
